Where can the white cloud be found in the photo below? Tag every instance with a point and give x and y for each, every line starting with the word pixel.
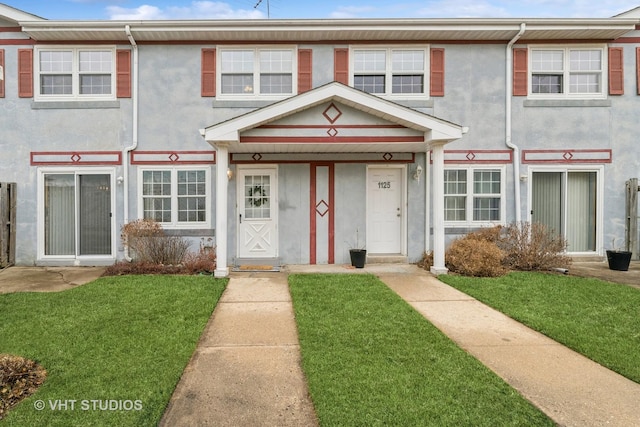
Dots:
pixel 195 10
pixel 344 12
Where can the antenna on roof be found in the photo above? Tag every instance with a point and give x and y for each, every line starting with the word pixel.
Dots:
pixel 258 4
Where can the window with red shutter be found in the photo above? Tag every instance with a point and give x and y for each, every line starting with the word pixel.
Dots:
pixel 437 72
pixel 520 72
pixel 208 83
pixel 616 71
pixel 305 67
pixel 25 73
pixel 123 73
pixel 341 65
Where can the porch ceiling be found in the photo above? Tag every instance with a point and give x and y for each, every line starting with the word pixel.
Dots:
pixel 374 125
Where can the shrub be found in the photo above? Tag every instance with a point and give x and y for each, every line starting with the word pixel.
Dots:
pixel 472 255
pixel 149 244
pixel 426 261
pixel 533 247
pixel 19 379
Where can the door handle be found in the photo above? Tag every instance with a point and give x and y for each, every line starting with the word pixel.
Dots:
pixel 240 218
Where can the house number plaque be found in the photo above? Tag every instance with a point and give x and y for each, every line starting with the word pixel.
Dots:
pixel 384 184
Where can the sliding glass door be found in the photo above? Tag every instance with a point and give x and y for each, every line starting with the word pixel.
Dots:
pixel 567 202
pixel 77 214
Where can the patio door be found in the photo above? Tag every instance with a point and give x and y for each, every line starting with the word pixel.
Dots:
pixel 77 215
pixel 257 213
pixel 566 201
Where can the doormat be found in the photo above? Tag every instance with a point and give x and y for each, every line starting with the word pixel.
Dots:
pixel 255 268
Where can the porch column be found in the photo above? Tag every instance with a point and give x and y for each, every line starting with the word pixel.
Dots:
pixel 222 194
pixel 437 190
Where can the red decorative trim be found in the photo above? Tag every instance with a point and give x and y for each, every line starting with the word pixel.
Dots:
pixel 321 208
pixel 478 156
pixel 329 140
pixel 313 258
pixel 567 156
pixel 332 126
pixel 17 42
pixel 173 157
pixel 10 30
pixel 75 158
pixel 296 158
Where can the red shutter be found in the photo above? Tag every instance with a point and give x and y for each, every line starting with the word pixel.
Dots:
pixel 1 73
pixel 25 73
pixel 616 71
pixel 638 69
pixel 520 71
pixel 123 73
pixel 437 72
pixel 208 84
pixel 305 66
pixel 341 65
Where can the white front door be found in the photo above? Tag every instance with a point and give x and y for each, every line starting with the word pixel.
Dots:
pixel 384 210
pixel 257 213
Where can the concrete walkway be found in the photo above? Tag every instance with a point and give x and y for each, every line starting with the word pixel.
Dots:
pixel 246 370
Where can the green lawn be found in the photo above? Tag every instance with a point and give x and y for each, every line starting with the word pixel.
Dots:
pixel 372 360
pixel 599 319
pixel 125 339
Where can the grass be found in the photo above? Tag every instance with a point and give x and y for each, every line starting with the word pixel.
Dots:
pixel 598 319
pixel 125 338
pixel 371 360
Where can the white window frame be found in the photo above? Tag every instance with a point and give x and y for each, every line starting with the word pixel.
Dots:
pixel 599 170
pixel 42 172
pixel 174 223
pixel 469 221
pixel 75 74
pixel 566 72
pixel 389 69
pixel 256 91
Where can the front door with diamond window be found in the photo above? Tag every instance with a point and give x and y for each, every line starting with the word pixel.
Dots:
pixel 257 213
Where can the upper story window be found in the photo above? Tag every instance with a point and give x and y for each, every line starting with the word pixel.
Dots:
pixel 75 73
pixel 568 72
pixel 390 71
pixel 474 196
pixel 259 72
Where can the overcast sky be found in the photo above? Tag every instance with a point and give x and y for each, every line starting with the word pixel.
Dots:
pixel 284 9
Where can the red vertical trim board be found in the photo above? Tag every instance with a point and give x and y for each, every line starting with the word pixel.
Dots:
pixel 520 72
pixel 616 71
pixel 437 72
pixel 638 70
pixel 25 73
pixel 332 221
pixel 2 74
pixel 312 214
pixel 341 65
pixel 208 71
pixel 123 73
pixel 305 69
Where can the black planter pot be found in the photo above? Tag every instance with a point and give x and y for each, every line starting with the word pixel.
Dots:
pixel 619 260
pixel 358 257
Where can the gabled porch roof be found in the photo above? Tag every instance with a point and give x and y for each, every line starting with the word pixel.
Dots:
pixel 389 126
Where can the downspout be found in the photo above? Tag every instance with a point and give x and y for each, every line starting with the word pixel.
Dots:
pixel 511 145
pixel 134 126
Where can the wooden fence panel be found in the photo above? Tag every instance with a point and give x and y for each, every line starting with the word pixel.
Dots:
pixel 8 203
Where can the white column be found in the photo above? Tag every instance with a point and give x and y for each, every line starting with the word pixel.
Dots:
pixel 222 194
pixel 437 190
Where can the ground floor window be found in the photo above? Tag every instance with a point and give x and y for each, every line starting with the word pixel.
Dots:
pixel 76 214
pixel 567 202
pixel 176 197
pixel 473 195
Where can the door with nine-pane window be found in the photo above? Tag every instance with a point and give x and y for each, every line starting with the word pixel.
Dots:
pixel 257 213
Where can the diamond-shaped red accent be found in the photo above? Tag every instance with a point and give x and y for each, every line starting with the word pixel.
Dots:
pixel 332 132
pixel 568 155
pixel 75 157
pixel 387 156
pixel 322 208
pixel 257 157
pixel 174 157
pixel 471 155
pixel 332 113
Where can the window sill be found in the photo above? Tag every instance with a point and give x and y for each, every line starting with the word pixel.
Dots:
pixel 567 103
pixel 189 232
pixel 73 105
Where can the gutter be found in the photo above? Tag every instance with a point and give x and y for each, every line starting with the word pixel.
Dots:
pixel 508 142
pixel 134 126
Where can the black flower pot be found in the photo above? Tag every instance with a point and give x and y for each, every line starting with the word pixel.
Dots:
pixel 619 260
pixel 358 257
